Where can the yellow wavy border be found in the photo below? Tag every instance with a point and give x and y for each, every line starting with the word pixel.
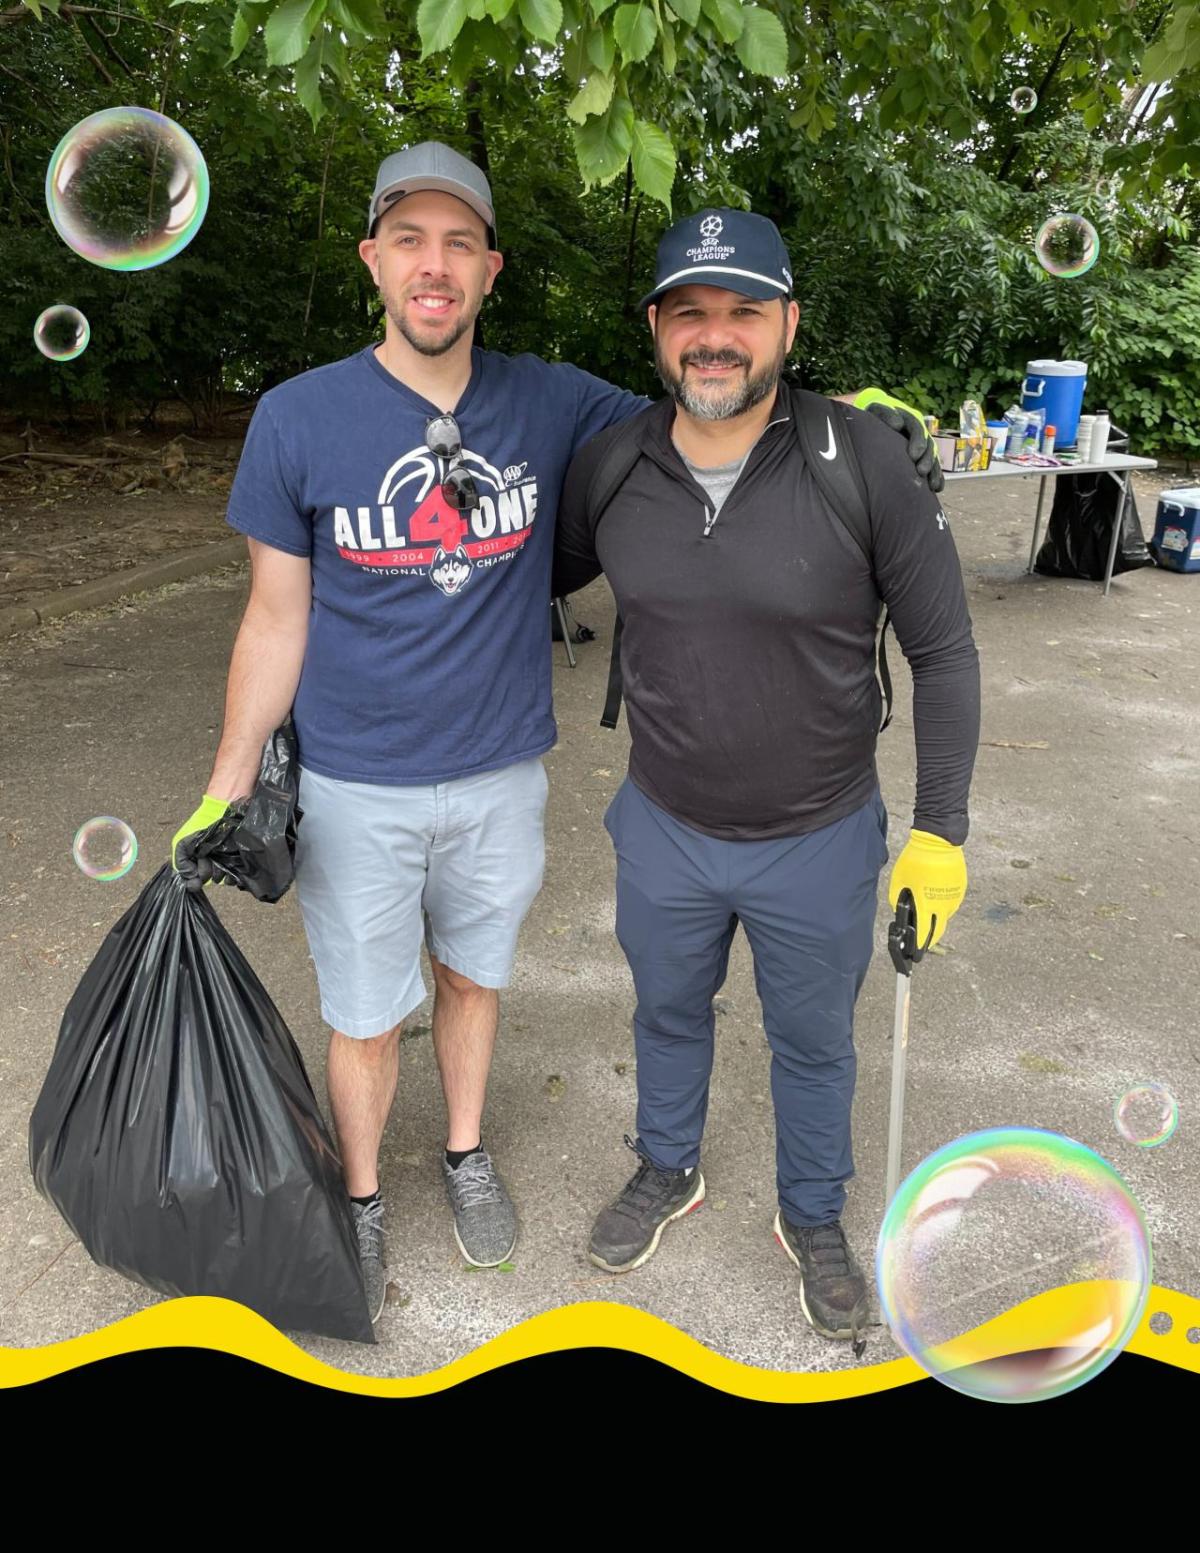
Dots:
pixel 231 1328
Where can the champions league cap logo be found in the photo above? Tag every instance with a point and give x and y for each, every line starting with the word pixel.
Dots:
pixel 732 249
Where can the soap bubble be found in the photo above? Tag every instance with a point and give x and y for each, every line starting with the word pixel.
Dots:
pixel 1023 100
pixel 105 848
pixel 127 188
pixel 1067 246
pixel 1013 1264
pixel 61 332
pixel 1147 1115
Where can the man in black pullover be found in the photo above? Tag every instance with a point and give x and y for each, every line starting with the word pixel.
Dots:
pixel 749 619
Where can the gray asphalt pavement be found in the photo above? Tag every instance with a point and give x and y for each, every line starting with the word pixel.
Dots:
pixel 1070 974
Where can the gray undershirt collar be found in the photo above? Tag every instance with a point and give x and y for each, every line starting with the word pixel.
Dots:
pixel 717 480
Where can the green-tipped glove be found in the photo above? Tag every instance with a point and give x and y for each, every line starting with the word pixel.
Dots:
pixel 195 872
pixel 935 871
pixel 903 418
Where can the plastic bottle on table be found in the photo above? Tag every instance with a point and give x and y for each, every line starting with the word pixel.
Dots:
pixel 1100 430
pixel 1048 437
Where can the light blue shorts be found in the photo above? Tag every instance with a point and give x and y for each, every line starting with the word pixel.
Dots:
pixel 376 866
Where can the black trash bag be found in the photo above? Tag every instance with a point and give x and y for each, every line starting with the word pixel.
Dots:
pixel 253 846
pixel 1079 533
pixel 177 1132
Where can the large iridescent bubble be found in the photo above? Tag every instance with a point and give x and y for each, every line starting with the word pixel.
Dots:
pixel 1013 1264
pixel 127 188
pixel 1067 245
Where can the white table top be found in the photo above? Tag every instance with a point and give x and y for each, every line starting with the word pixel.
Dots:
pixel 999 468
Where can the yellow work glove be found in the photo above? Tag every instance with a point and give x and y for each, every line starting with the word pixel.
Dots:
pixel 870 396
pixel 210 811
pixel 934 871
pixel 909 423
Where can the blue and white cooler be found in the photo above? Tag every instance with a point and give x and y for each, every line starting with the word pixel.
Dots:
pixel 1176 540
pixel 1056 387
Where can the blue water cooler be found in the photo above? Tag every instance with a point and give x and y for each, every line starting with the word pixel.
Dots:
pixel 1176 540
pixel 1056 387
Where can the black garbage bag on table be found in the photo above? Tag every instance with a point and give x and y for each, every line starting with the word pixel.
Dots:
pixel 1079 533
pixel 177 1132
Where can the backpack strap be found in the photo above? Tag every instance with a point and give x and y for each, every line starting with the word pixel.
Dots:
pixel 607 479
pixel 823 432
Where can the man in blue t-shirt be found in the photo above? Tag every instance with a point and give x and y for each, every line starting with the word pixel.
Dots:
pixel 399 508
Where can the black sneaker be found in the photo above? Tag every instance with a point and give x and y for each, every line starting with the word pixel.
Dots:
pixel 628 1231
pixel 833 1291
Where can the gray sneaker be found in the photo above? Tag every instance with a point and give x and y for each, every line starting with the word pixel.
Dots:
pixel 368 1225
pixel 485 1221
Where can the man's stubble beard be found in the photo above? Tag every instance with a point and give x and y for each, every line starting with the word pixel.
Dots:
pixel 438 347
pixel 734 401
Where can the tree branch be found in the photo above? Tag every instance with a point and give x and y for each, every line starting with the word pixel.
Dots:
pixel 111 47
pixel 19 13
pixel 34 91
pixel 1010 158
pixel 630 252
pixel 312 279
pixel 91 53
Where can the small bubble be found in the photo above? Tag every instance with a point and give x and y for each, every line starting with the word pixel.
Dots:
pixel 105 848
pixel 1147 1115
pixel 1023 100
pixel 61 332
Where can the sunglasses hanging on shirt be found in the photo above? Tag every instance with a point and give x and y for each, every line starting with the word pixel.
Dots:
pixel 443 438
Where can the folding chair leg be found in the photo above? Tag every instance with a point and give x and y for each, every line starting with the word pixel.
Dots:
pixel 566 635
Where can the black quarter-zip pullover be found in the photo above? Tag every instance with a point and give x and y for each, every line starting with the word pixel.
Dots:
pixel 748 645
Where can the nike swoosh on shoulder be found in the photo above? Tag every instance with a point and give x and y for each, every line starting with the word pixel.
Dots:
pixel 831 450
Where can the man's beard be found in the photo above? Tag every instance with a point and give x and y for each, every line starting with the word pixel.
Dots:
pixel 444 342
pixel 732 401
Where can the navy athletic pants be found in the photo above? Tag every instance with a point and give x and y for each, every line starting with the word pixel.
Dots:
pixel 807 904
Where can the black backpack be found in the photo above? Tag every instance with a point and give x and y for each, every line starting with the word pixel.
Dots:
pixel 840 480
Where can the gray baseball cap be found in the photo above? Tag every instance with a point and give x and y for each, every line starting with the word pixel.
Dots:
pixel 431 165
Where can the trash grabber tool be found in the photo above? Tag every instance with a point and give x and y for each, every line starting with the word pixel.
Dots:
pixel 902 946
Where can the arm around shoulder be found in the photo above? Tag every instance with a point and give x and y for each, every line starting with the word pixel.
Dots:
pixel 575 560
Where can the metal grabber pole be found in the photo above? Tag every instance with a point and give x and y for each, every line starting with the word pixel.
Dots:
pixel 902 946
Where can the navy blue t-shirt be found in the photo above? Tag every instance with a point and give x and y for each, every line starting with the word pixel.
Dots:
pixel 429 640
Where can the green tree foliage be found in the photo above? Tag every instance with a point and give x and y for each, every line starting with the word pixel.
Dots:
pixel 879 137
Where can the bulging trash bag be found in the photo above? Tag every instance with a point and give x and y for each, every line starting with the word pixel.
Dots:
pixel 253 846
pixel 177 1132
pixel 1079 533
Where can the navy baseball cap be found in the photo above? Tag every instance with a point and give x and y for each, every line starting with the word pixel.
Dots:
pixel 728 248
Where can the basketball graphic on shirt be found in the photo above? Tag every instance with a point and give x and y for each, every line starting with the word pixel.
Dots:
pixel 411 529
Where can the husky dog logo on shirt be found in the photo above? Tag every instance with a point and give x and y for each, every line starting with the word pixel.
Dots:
pixel 451 572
